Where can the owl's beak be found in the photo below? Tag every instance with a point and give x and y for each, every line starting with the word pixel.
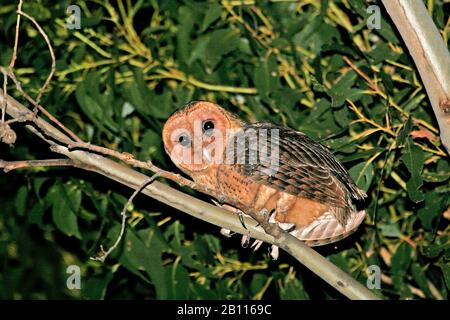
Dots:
pixel 207 156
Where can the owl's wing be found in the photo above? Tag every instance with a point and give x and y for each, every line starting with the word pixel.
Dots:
pixel 292 162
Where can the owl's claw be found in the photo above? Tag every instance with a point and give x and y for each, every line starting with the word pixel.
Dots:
pixel 274 252
pixel 268 216
pixel 241 219
pixel 256 244
pixel 245 241
pixel 272 216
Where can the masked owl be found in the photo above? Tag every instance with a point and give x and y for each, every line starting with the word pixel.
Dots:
pixel 265 166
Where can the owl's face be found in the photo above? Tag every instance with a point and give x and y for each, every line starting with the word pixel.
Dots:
pixel 195 136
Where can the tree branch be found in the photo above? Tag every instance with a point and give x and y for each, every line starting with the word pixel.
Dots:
pixel 14 165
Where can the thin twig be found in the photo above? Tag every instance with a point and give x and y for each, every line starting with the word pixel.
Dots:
pixel 52 54
pixel 10 72
pixel 16 39
pixel 369 81
pixel 5 101
pixel 129 159
pixel 38 106
pixel 14 165
pixel 104 254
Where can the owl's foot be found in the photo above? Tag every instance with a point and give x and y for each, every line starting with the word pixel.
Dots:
pixel 245 241
pixel 274 252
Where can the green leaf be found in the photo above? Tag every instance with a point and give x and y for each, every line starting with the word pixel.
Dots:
pixel 63 215
pixel 21 200
pixel 38 182
pixel 420 277
pixel 359 155
pixel 36 215
pixel 362 174
pixel 343 117
pixel 177 280
pixel 404 132
pixel 446 273
pixel 413 102
pixel 257 283
pixel 293 289
pixel 382 52
pixel 213 13
pixel 187 18
pixel 266 76
pixel 400 263
pixel 95 287
pixel 390 230
pixel 94 103
pixel 434 250
pixel 317 86
pixel 71 194
pixel 216 49
pixel 140 256
pixel 342 90
pixel 434 205
pixel 414 159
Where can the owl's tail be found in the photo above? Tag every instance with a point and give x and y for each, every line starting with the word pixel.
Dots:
pixel 327 229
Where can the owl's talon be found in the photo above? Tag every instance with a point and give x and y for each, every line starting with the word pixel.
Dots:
pixel 241 219
pixel 256 245
pixel 272 216
pixel 245 241
pixel 274 252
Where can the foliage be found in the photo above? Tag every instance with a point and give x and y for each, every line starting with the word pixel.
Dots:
pixel 311 65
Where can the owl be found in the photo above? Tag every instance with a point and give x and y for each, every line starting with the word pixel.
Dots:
pixel 264 166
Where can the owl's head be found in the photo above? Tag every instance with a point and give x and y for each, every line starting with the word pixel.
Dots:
pixel 196 135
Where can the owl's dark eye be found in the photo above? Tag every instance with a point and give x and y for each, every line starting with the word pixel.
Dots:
pixel 208 127
pixel 184 140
